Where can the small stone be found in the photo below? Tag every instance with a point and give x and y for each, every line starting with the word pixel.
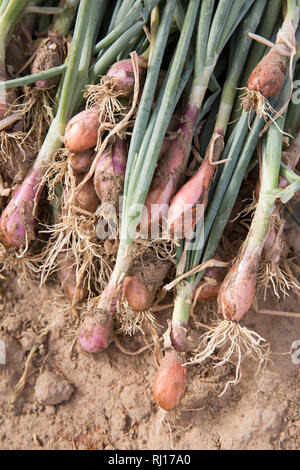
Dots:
pixel 50 410
pixel 52 389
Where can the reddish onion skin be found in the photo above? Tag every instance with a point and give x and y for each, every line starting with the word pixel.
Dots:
pixel 123 75
pixel 17 221
pixel 137 294
pixel 81 162
pixel 94 337
pixel 171 164
pixel 170 382
pixel 237 292
pixel 43 84
pixel 95 333
pixel 119 156
pixel 183 213
pixel 82 131
pixel 179 336
pixel 209 291
pixel 268 76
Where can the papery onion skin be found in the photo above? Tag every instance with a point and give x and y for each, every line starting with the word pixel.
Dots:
pixel 94 337
pixel 137 294
pixel 17 223
pixel 81 162
pixel 268 76
pixel 86 197
pixel 122 74
pixel 170 382
pixel 82 131
pixel 96 331
pixel 237 293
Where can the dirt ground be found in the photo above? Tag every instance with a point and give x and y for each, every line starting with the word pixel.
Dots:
pixel 111 406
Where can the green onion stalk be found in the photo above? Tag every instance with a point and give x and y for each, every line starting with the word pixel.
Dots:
pixel 138 43
pixel 196 190
pixel 96 331
pixel 238 288
pixel 287 173
pixel 238 152
pixel 277 270
pixel 18 221
pixel 79 74
pixel 139 12
pixel 120 12
pixel 186 288
pixel 118 9
pixel 181 216
pixel 213 32
pixel 35 77
pixel 292 122
pixel 63 21
pixel 290 158
pixel 10 11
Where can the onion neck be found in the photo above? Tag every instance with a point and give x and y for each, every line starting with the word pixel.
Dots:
pixel 122 262
pixel 52 142
pixel 180 317
pixel 270 168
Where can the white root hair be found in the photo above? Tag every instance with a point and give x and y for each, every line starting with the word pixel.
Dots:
pixel 235 343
